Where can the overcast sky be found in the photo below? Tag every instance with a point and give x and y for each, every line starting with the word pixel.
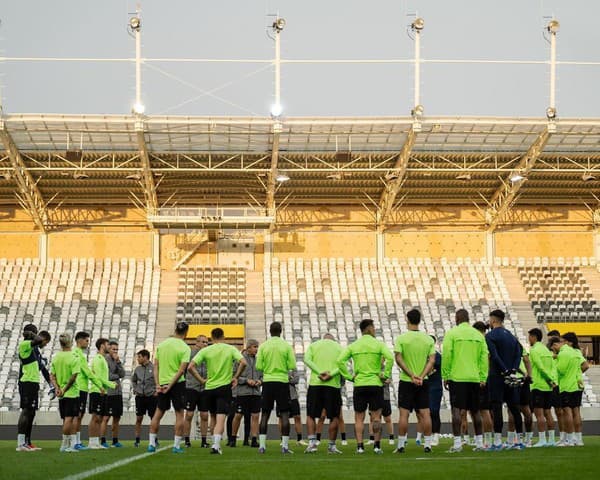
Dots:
pixel 316 29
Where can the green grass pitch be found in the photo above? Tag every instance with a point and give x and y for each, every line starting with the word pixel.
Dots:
pixel 245 463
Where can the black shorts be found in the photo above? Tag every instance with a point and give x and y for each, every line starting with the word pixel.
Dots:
pixel 484 398
pixel 294 408
pixel 541 399
pixel 30 395
pixel 367 396
pixel 465 395
pixel 524 395
pixel 218 400
pixel 195 399
pixel 570 399
pixel 247 404
pixel 275 393
pixel 175 396
pixel 98 404
pixel 145 405
pixel 555 398
pixel 83 396
pixel 114 405
pixel 322 397
pixel 68 407
pixel 413 397
pixel 386 411
pixel 501 393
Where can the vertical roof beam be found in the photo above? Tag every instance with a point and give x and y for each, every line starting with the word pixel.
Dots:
pixel 392 188
pixel 506 193
pixel 29 193
pixel 147 178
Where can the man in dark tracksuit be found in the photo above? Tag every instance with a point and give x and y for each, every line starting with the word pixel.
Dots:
pixel 114 396
pixel 435 396
pixel 195 397
pixel 144 389
pixel 505 357
pixel 248 397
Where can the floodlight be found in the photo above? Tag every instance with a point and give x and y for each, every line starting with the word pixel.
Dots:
pixel 134 176
pixel 465 177
pixel 588 177
pixel 281 177
pixel 516 177
pixel 80 176
pixel 138 108
pixel 418 24
pixel 279 24
pixel 551 113
pixel 276 110
pixel 417 111
pixel 135 23
pixel 553 26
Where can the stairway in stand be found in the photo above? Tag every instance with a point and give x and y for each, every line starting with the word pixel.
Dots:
pixel 519 298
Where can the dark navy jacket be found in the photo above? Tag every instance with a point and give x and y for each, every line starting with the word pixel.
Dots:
pixel 505 351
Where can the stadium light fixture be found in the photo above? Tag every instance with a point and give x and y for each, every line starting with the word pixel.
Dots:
pixel 418 24
pixel 80 176
pixel 6 175
pixel 134 176
pixel 279 24
pixel 417 111
pixel 138 108
pixel 276 110
pixel 517 177
pixel 464 177
pixel 135 23
pixel 553 26
pixel 281 177
pixel 551 113
pixel 588 177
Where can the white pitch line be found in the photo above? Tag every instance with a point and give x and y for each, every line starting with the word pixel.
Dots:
pixel 111 466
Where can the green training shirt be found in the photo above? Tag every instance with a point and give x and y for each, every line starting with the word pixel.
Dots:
pixel 568 366
pixel 86 375
pixel 464 355
pixel 415 347
pixel 542 368
pixel 31 371
pixel 64 366
pixel 219 358
pixel 100 372
pixel 171 353
pixel 321 356
pixel 366 354
pixel 275 358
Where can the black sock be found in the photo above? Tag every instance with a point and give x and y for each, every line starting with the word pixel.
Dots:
pixel 391 436
pixel 318 437
pixel 115 440
pixel 361 445
pixel 187 439
pixel 372 437
pixel 377 444
pixel 137 439
pixel 343 435
pixel 299 436
pixel 203 440
pixel 254 440
pixel 103 440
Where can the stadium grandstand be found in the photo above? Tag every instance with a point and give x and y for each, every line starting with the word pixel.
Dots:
pixel 131 227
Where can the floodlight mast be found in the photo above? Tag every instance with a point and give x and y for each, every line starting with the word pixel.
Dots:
pixel 417 27
pixel 278 26
pixel 553 27
pixel 135 25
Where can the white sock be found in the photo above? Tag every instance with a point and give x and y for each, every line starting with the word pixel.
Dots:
pixel 94 441
pixel 152 439
pixel 419 436
pixel 528 436
pixel 497 439
pixel 579 437
pixel 78 435
pixel 457 441
pixel 401 441
pixel 262 441
pixel 285 441
pixel 519 438
pixel 428 441
pixel 510 437
pixel 466 438
pixel 488 438
pixel 20 439
pixel 563 435
pixel 65 441
pixel 569 438
pixel 551 436
pixel 73 440
pixel 312 440
pixel 542 436
pixel 479 441
pixel 217 441
pixel 177 441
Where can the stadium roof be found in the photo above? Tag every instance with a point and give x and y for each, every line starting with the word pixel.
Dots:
pixel 210 161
